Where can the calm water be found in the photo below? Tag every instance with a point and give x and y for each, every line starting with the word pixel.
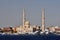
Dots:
pixel 30 37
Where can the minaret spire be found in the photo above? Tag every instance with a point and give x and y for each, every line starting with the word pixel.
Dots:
pixel 24 17
pixel 43 19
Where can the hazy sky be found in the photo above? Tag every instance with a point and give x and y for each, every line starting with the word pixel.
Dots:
pixel 11 12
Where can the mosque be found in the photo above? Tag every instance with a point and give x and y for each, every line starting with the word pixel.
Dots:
pixel 27 28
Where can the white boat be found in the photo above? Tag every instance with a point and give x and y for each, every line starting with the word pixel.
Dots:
pixel 41 32
pixel 46 32
pixel 3 33
pixel 56 33
pixel 32 33
pixel 15 34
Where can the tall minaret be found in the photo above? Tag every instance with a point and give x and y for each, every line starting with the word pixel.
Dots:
pixel 24 17
pixel 43 20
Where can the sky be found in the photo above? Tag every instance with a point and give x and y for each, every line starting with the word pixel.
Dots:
pixel 11 12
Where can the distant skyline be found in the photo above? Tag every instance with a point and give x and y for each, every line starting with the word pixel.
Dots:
pixel 11 12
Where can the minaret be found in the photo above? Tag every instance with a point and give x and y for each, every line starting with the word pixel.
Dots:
pixel 24 17
pixel 43 20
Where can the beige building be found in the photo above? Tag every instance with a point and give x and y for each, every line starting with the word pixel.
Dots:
pixel 26 27
pixel 51 28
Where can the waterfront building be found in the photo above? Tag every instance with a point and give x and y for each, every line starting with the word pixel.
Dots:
pixel 26 27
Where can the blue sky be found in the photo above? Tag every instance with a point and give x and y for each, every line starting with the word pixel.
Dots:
pixel 11 12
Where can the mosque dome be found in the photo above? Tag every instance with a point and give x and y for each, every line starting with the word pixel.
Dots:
pixel 27 22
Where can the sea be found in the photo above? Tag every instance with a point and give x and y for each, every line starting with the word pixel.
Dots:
pixel 30 37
